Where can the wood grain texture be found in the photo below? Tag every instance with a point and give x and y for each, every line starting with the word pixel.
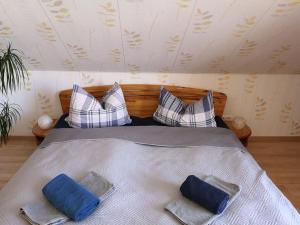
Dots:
pixel 41 133
pixel 280 158
pixel 142 99
pixel 13 155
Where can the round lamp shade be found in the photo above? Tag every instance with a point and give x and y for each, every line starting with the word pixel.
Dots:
pixel 45 122
pixel 238 122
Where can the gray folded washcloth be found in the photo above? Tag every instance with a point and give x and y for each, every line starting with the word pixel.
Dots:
pixel 43 213
pixel 190 213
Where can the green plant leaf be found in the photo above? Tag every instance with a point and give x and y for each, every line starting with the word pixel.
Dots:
pixel 12 76
pixel 9 114
pixel 12 70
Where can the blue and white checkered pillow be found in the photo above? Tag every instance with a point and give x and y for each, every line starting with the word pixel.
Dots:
pixel 87 112
pixel 174 112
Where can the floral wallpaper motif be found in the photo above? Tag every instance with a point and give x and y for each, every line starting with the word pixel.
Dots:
pixel 68 64
pixel 35 63
pixel 58 10
pixel 295 130
pixel 87 79
pixel 134 70
pixel 5 31
pixel 184 3
pixel 163 78
pixel 279 52
pixel 185 58
pixel 46 32
pixel 116 55
pixel 260 108
pixel 44 103
pixel 134 39
pixel 28 82
pixel 285 6
pixel 277 66
pixel 78 51
pixel 217 64
pixel 202 21
pixel 286 111
pixel 244 27
pixel 251 36
pixel 247 48
pixel 172 43
pixel 250 83
pixel 109 14
pixel 223 82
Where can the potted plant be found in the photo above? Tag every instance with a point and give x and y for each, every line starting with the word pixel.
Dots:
pixel 12 76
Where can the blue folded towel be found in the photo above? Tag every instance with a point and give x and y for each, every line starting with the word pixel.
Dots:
pixel 206 195
pixel 70 198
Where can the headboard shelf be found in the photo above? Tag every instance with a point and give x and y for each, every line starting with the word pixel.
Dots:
pixel 142 99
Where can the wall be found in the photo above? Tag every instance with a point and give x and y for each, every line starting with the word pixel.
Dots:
pixel 179 36
pixel 182 42
pixel 270 103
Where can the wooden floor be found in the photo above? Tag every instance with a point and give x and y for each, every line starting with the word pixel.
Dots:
pixel 13 155
pixel 281 160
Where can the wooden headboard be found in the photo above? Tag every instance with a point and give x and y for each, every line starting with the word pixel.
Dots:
pixel 142 99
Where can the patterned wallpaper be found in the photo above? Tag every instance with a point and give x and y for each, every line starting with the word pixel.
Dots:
pixel 180 36
pixel 269 103
pixel 225 45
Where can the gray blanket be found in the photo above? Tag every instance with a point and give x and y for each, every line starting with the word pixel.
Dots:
pixel 147 177
pixel 151 135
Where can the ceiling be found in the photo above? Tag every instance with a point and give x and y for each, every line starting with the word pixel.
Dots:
pixel 184 36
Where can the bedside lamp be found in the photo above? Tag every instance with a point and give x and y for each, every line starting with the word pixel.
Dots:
pixel 45 122
pixel 238 122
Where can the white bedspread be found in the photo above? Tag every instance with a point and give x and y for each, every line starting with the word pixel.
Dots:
pixel 146 178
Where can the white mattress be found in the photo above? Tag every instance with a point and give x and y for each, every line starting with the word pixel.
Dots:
pixel 146 179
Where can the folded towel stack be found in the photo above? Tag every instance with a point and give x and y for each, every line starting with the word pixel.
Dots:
pixel 70 198
pixel 202 201
pixel 206 195
pixel 77 205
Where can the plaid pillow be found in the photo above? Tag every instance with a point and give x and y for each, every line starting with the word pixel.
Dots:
pixel 174 112
pixel 87 112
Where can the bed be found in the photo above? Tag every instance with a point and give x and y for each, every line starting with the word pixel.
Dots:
pixel 147 166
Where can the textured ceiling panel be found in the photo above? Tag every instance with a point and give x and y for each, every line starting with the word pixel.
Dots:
pixel 188 36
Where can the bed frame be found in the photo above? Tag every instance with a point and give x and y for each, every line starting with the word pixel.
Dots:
pixel 142 99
